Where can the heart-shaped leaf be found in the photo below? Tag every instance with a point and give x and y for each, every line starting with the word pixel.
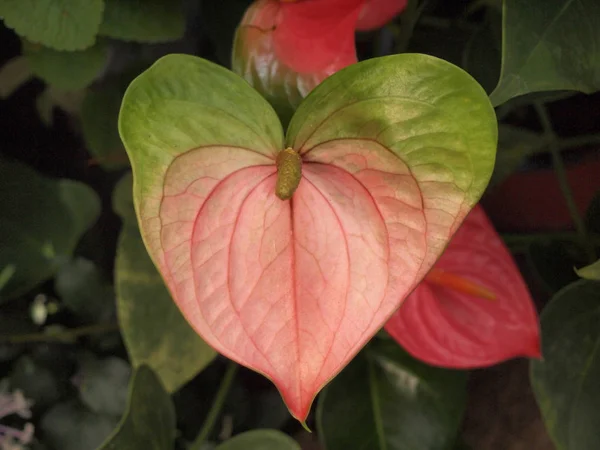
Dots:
pixel 448 321
pixel 565 383
pixel 385 400
pixel 66 70
pixel 549 48
pixel 35 247
pixel 149 422
pixel 285 49
pixel 59 24
pixel 260 440
pixel 153 329
pixel 395 151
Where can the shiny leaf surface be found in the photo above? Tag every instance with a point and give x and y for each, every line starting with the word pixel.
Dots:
pixel 548 48
pixel 385 400
pixel 395 152
pixel 59 24
pixel 149 422
pixel 565 383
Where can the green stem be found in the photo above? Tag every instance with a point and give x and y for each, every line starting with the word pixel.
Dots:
pixel 561 174
pixel 408 21
pixel 568 143
pixel 579 141
pixel 216 407
pixel 60 336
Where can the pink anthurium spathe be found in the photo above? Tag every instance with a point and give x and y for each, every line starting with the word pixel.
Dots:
pixel 473 309
pixel 287 253
pixel 376 13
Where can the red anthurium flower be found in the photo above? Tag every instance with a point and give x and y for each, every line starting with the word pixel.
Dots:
pixel 286 48
pixel 473 309
pixel 376 13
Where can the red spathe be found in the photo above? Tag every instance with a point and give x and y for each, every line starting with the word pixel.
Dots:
pixel 446 327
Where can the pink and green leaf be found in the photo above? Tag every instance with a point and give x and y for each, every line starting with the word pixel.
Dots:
pixel 473 309
pixel 395 152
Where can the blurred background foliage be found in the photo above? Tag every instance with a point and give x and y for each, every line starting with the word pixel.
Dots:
pixel 72 261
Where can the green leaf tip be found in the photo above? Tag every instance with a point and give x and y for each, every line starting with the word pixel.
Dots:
pixel 303 423
pixel 590 272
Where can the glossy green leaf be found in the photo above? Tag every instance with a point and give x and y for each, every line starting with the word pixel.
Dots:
pixel 154 330
pixel 565 383
pixel 419 133
pixel 42 220
pixel 83 290
pixel 99 118
pixel 13 74
pixel 67 70
pixel 548 46
pixel 260 440
pixel 60 24
pixel 386 400
pixel 149 422
pixel 143 20
pixel 182 116
pixel 590 272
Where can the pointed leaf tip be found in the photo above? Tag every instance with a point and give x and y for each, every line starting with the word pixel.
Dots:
pixel 294 289
pixel 590 272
